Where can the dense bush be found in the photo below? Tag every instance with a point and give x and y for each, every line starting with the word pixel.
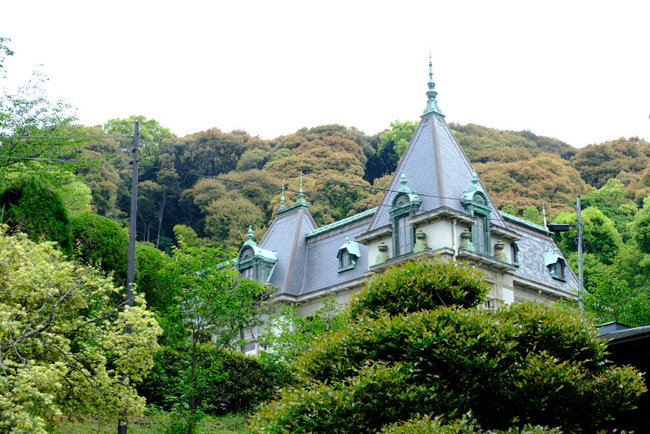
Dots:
pixel 464 425
pixel 425 283
pixel 101 241
pixel 521 365
pixel 231 381
pixel 31 207
pixel 148 262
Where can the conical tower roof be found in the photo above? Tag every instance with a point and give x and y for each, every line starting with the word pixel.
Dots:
pixel 436 169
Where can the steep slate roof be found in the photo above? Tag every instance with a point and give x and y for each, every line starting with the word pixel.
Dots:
pixel 437 170
pixel 286 237
pixel 533 245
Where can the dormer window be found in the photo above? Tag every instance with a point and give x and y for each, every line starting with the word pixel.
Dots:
pixel 557 269
pixel 556 264
pixel 514 253
pixel 476 204
pixel 348 255
pixel 405 204
pixel 255 263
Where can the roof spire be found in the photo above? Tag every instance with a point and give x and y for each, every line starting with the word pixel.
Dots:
pixel 432 105
pixel 301 196
pixel 282 197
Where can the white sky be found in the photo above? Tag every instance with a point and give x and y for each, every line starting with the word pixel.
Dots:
pixel 575 70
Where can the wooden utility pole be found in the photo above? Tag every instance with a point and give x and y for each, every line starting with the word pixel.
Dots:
pixel 122 424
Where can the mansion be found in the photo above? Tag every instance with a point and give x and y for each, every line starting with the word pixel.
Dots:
pixel 435 205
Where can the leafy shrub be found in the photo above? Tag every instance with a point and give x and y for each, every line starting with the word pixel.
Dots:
pixel 101 241
pixel 464 425
pixel 33 208
pixel 524 364
pixel 425 283
pixel 230 381
pixel 148 261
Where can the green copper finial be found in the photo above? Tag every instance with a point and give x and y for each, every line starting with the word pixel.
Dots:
pixel 282 197
pixel 474 177
pixel 404 181
pixel 251 240
pixel 432 105
pixel 301 196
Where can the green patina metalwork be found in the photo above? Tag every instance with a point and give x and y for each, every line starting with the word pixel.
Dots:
pixel 432 104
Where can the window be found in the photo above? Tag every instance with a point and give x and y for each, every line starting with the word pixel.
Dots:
pixel 514 253
pixel 348 255
pixel 480 234
pixel 247 272
pixel 404 240
pixel 344 259
pixel 476 204
pixel 557 269
pixel 556 264
pixel 405 204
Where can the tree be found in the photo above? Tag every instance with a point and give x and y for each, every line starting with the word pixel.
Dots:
pixel 101 242
pixel 288 335
pixel 600 236
pixel 640 228
pixel 611 299
pixel 63 350
pixel 213 307
pixel 598 163
pixel 393 143
pixel 151 134
pixel 522 364
pixel 32 207
pixel 27 113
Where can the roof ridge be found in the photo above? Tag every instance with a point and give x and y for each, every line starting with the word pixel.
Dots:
pixel 523 222
pixel 341 223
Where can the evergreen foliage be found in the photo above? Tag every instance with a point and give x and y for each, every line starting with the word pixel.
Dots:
pixel 35 209
pixel 522 365
pixel 102 242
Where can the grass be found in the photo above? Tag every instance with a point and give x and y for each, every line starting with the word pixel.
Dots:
pixel 155 422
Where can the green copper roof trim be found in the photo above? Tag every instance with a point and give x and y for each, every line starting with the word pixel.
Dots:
pixel 351 246
pixel 468 195
pixel 301 196
pixel 432 104
pixel 251 237
pixel 341 223
pixel 523 222
pixel 552 257
pixel 282 197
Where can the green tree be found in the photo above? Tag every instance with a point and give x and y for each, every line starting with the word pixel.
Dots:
pixel 640 228
pixel 151 134
pixel 213 307
pixel 148 279
pixel 611 299
pixel 393 143
pixel 101 242
pixel 63 350
pixel 519 365
pixel 600 236
pixel 289 335
pixel 33 208
pixel 27 113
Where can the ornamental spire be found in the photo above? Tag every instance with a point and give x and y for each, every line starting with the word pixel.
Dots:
pixel 301 196
pixel 282 197
pixel 432 105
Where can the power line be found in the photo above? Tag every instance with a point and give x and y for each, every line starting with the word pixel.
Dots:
pixel 313 196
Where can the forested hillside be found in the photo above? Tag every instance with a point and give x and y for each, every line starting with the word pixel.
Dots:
pixel 212 185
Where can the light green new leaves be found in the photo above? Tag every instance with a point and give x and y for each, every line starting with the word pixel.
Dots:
pixel 63 349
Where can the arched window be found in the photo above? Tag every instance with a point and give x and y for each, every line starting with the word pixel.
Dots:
pixel 405 204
